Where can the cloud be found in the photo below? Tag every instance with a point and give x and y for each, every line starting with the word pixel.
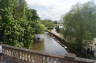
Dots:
pixel 53 9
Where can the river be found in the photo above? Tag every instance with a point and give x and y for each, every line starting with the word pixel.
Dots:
pixel 49 45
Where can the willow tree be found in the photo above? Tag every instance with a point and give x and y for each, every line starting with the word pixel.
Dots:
pixel 80 25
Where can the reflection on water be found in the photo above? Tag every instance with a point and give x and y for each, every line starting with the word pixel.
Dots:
pixel 38 46
pixel 49 45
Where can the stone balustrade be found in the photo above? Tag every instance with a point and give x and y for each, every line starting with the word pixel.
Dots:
pixel 31 56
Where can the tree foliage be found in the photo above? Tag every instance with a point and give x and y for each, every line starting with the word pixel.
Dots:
pixel 32 15
pixel 80 25
pixel 17 23
pixel 49 24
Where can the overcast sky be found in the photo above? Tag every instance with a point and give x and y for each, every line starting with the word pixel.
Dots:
pixel 53 9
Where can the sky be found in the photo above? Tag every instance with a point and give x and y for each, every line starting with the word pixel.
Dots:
pixel 53 9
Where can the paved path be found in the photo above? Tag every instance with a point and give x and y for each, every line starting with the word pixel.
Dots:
pixel 56 33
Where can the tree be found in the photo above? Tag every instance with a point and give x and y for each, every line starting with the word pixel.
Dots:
pixel 18 23
pixel 48 23
pixel 15 29
pixel 19 9
pixel 79 25
pixel 38 27
pixel 32 15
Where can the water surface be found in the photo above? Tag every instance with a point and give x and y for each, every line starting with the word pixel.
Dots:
pixel 49 45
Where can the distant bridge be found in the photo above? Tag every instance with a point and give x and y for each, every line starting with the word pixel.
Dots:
pixel 21 55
